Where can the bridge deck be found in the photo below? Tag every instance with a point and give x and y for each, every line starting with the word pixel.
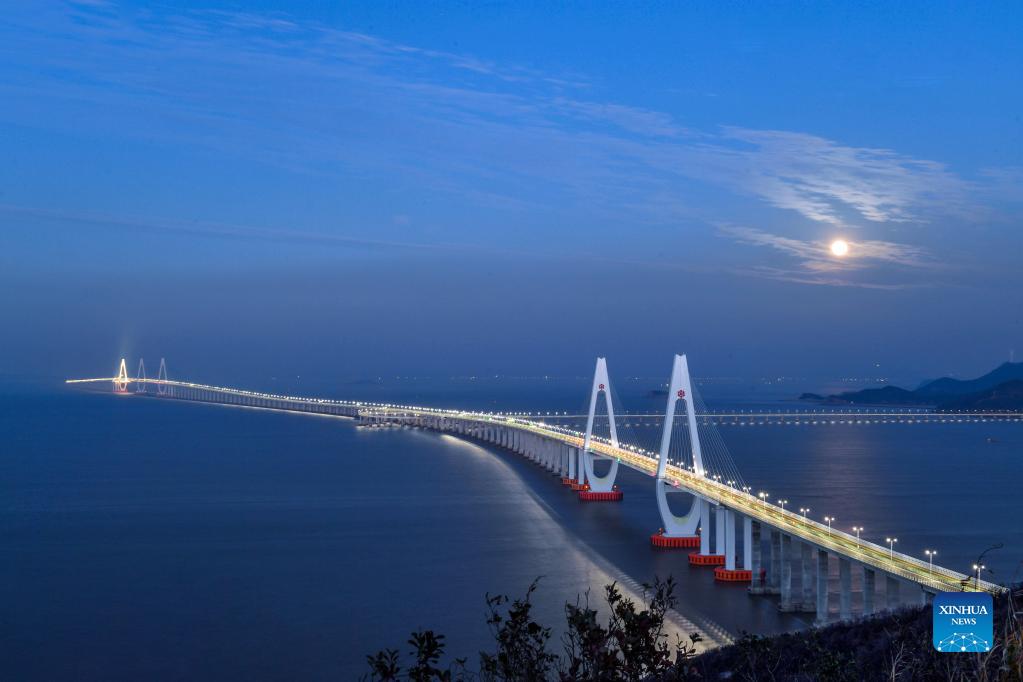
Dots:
pixel 832 540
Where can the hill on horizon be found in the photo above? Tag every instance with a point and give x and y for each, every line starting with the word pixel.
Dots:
pixel 1001 388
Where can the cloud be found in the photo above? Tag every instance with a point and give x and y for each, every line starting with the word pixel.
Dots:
pixel 811 262
pixel 323 101
pixel 817 177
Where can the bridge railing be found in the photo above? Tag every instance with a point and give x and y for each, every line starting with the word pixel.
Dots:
pixel 896 563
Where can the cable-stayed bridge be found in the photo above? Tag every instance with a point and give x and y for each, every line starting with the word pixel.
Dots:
pixel 730 526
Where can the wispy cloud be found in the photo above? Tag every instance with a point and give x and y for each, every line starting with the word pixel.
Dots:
pixel 811 262
pixel 818 178
pixel 317 99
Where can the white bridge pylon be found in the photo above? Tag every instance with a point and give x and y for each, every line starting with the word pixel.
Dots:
pixel 679 390
pixel 121 380
pixel 601 384
pixel 161 376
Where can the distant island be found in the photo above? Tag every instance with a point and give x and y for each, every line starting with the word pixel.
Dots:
pixel 999 389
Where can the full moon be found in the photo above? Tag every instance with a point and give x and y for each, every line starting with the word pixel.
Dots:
pixel 839 247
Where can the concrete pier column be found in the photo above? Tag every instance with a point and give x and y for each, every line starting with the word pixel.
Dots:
pixel 573 459
pixel 774 573
pixel 806 576
pixel 704 527
pixel 719 529
pixel 869 590
pixel 924 597
pixel 785 560
pixel 845 588
pixel 729 540
pixel 755 552
pixel 822 586
pixel 747 544
pixel 891 590
pixel 581 465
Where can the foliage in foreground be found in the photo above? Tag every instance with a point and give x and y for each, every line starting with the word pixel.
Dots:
pixel 632 645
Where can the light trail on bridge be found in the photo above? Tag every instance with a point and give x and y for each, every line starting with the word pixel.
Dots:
pixel 883 558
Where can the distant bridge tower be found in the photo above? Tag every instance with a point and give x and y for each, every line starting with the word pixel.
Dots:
pixel 679 531
pixel 161 377
pixel 601 488
pixel 121 380
pixel 140 377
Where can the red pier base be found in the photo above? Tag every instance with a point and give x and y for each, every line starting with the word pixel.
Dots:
pixel 567 481
pixel 682 542
pixel 590 496
pixel 707 559
pixel 578 486
pixel 737 575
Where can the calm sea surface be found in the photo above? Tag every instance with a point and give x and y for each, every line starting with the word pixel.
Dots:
pixel 145 539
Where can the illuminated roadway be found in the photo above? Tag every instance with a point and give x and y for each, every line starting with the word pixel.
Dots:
pixel 936 579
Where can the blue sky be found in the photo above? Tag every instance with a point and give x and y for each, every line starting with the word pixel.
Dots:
pixel 447 188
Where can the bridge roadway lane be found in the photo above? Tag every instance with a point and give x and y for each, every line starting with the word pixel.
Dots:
pixel 835 541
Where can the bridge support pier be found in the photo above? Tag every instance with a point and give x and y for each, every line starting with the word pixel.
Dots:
pixel 756 550
pixel 891 592
pixel 747 544
pixel 869 590
pixel 704 527
pixel 774 573
pixel 822 587
pixel 719 529
pixel 785 564
pixel 573 469
pixel 845 588
pixel 705 557
pixel 730 573
pixel 806 577
pixel 600 484
pixel 729 540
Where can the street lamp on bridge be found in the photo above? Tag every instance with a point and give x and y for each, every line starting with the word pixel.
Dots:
pixel 804 511
pixel 763 498
pixel 857 530
pixel 930 559
pixel 782 503
pixel 977 568
pixel 891 547
pixel 829 519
